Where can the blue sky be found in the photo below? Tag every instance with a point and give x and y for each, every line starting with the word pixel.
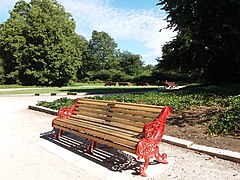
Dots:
pixel 134 24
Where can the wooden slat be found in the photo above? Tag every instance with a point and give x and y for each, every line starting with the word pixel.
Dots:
pixel 92 106
pixel 93 125
pixel 135 112
pixel 90 101
pixel 99 140
pixel 90 115
pixel 131 118
pixel 125 121
pixel 109 135
pixel 140 108
pixel 129 127
pixel 121 103
pixel 92 111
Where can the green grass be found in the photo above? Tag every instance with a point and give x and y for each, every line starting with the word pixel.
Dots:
pixel 76 88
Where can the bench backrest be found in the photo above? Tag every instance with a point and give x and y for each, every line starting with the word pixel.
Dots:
pixel 126 115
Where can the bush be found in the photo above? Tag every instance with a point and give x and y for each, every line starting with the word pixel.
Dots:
pixel 57 104
pixel 228 122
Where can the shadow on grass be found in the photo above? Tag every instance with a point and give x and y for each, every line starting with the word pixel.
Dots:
pixel 110 90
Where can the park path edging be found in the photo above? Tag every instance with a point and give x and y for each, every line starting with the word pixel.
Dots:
pixel 216 152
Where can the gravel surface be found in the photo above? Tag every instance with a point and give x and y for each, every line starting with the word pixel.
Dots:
pixel 24 155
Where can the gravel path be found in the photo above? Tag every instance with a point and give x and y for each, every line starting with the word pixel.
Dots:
pixel 24 155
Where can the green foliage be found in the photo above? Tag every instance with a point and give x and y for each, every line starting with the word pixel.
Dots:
pixel 57 104
pixel 2 76
pixel 102 60
pixel 102 49
pixel 39 44
pixel 130 64
pixel 207 41
pixel 227 97
pixel 228 122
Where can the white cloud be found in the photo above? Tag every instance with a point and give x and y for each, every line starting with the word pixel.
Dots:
pixel 121 24
pixel 138 25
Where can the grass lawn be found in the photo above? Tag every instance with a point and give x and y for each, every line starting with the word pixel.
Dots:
pixel 76 88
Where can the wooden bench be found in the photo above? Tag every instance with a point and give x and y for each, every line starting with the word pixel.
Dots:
pixel 123 84
pixel 170 84
pixel 135 128
pixel 142 84
pixel 110 84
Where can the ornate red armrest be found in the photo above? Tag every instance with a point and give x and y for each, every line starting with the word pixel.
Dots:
pixel 149 145
pixel 65 112
pixel 154 130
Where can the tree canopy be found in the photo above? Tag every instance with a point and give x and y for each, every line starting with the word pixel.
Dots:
pixel 38 44
pixel 208 38
pixel 102 60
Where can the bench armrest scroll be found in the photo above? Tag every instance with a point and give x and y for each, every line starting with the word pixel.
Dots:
pixel 154 130
pixel 153 133
pixel 65 112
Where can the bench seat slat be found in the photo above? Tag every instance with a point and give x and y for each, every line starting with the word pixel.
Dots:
pixel 101 133
pixel 100 140
pixel 95 126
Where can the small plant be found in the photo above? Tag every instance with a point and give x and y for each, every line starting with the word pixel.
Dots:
pixel 227 122
pixel 57 104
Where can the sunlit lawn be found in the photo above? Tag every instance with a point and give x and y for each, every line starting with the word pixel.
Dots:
pixel 76 88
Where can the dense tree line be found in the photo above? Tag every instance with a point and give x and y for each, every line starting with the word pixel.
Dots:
pixel 208 39
pixel 39 46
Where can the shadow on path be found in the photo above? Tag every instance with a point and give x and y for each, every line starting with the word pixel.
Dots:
pixel 108 157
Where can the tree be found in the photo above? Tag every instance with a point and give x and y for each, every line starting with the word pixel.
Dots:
pixel 2 76
pixel 45 49
pixel 210 32
pixel 12 41
pixel 102 54
pixel 130 63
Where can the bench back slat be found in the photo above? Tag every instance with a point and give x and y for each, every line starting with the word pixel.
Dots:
pixel 115 125
pixel 114 111
pixel 92 111
pixel 126 122
pixel 129 117
pixel 135 112
pixel 139 107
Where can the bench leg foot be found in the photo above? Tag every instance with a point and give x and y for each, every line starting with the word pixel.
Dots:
pixel 161 158
pixel 91 147
pixel 58 134
pixel 144 167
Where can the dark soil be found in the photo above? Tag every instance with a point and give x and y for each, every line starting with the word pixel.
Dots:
pixel 193 125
